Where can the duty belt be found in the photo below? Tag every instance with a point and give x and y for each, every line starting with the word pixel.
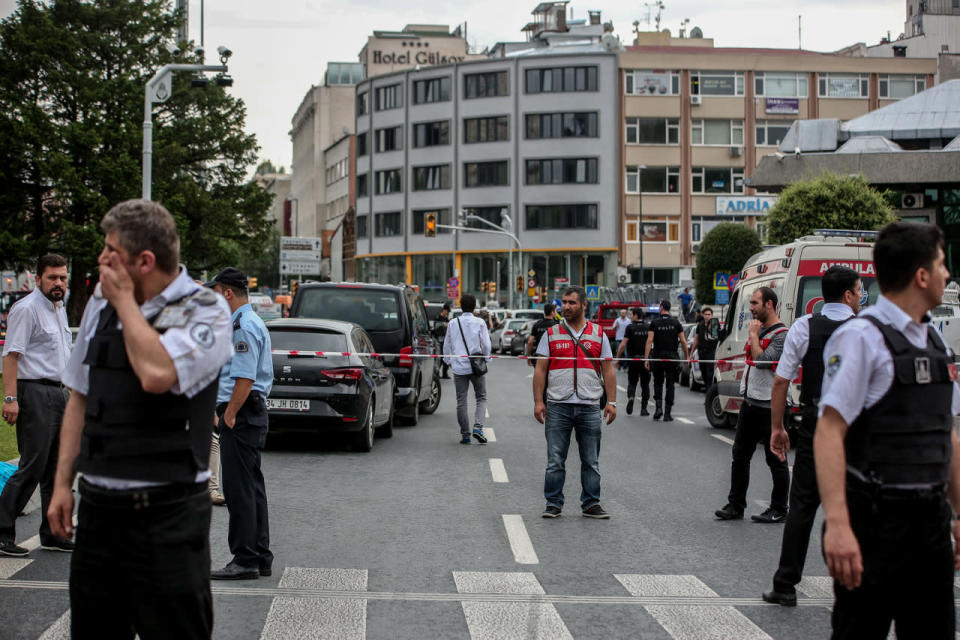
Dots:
pixel 872 485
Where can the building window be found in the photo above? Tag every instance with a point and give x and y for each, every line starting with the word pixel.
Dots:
pixel 651 83
pixel 665 229
pixel 485 174
pixel 443 217
pixel 432 90
pixel 717 180
pixel 389 97
pixel 781 85
pixel 494 129
pixel 362 185
pixel 844 85
pixel 561 79
pixel 718 132
pixel 337 171
pixel 431 134
pixel 361 144
pixel 485 85
pixel 363 103
pixel 389 181
pixel 561 216
pixel 695 232
pixel 431 178
pixel 653 130
pixel 561 125
pixel 361 226
pixel 654 179
pixel 490 214
pixel 632 232
pixel 771 132
pixel 562 171
pixel 387 224
pixel 901 86
pixel 716 83
pixel 389 139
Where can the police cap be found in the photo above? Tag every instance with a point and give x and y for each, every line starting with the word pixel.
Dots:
pixel 231 277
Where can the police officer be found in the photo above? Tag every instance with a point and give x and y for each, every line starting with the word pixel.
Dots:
pixel 539 328
pixel 803 346
pixel 245 383
pixel 662 339
pixel 634 343
pixel 887 457
pixel 143 375
pixel 705 344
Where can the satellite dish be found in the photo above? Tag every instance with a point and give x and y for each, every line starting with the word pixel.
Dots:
pixel 696 32
pixel 667 31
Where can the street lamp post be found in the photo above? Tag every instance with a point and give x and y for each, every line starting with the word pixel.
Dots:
pixel 505 218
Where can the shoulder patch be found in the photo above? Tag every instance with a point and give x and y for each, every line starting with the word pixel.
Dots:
pixel 203 334
pixel 204 296
pixel 833 364
pixel 242 347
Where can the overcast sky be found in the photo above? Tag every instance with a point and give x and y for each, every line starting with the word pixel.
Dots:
pixel 281 47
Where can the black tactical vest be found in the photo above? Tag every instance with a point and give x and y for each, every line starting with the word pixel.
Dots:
pixel 904 439
pixel 821 328
pixel 135 435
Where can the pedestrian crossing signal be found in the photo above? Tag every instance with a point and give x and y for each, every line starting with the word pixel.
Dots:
pixel 430 226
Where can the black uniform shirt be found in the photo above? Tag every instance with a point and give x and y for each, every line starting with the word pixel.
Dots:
pixel 636 337
pixel 666 336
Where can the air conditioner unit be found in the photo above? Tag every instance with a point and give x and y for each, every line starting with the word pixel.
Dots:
pixel 623 279
pixel 695 99
pixel 911 201
pixel 695 247
pixel 736 152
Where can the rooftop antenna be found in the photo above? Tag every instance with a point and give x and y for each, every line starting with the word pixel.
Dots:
pixel 683 27
pixel 800 32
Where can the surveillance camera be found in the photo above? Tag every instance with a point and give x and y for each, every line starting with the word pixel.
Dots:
pixel 796 151
pixel 173 49
pixel 224 52
pixel 199 52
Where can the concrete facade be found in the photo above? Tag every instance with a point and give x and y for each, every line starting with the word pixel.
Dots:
pixel 339 178
pixel 278 185
pixel 424 45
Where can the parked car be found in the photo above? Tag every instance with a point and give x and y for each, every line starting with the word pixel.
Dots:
pixel 690 375
pixel 500 338
pixel 396 321
pixel 518 341
pixel 264 306
pixel 525 314
pixel 346 393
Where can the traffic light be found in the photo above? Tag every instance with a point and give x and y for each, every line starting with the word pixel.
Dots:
pixel 483 286
pixel 251 283
pixel 293 287
pixel 493 288
pixel 519 283
pixel 430 226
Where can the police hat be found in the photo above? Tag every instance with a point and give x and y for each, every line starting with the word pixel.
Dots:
pixel 231 277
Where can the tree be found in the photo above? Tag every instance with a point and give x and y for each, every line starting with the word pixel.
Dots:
pixel 726 247
pixel 830 201
pixel 72 79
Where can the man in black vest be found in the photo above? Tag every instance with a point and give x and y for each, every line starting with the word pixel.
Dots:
pixel 662 340
pixel 705 344
pixel 539 328
pixel 887 456
pixel 634 343
pixel 143 375
pixel 804 345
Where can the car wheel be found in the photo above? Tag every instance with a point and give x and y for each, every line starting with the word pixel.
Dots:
pixel 386 429
pixel 432 403
pixel 716 416
pixel 364 437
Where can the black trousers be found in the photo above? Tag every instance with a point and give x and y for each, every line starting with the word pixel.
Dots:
pixel 242 484
pixel 804 502
pixel 638 372
pixel 38 441
pixel 706 368
pixel 753 428
pixel 142 564
pixel 907 570
pixel 663 372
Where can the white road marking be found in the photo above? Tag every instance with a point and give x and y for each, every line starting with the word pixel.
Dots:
pixel 297 617
pixel 9 566
pixel 698 622
pixel 529 375
pixel 721 438
pixel 762 504
pixel 499 620
pixel 520 543
pixel 32 543
pixel 491 436
pixel 684 420
pixel 624 389
pixel 498 471
pixel 816 586
pixel 486 412
pixel 59 630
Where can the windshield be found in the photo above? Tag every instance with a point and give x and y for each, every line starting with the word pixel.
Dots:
pixel 307 340
pixel 372 309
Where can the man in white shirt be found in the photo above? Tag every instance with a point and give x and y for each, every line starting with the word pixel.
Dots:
pixel 35 353
pixel 620 328
pixel 468 335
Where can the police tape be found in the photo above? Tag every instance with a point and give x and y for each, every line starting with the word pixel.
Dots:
pixel 329 354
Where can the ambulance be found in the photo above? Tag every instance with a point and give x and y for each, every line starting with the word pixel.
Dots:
pixel 794 271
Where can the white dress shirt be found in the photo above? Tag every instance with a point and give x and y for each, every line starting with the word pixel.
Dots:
pixel 37 329
pixel 858 365
pixel 620 327
pixel 798 339
pixel 478 341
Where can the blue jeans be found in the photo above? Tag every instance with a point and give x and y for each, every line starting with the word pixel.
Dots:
pixel 562 419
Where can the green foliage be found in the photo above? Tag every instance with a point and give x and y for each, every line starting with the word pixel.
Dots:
pixel 830 201
pixel 72 81
pixel 726 247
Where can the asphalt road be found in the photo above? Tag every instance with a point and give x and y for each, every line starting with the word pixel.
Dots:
pixel 427 538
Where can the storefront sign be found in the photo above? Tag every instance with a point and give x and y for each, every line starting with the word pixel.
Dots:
pixel 745 205
pixel 652 83
pixel 421 57
pixel 783 105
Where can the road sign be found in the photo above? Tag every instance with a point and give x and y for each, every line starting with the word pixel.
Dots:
pixel 531 282
pixel 593 292
pixel 721 280
pixel 296 243
pixel 309 267
pixel 722 296
pixel 531 292
pixel 732 281
pixel 453 289
pixel 531 273
pixel 556 302
pixel 300 255
pixel 560 283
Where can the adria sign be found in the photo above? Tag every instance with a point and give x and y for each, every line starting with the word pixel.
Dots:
pixel 819 267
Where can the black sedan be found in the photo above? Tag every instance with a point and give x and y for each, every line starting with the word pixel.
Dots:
pixel 316 392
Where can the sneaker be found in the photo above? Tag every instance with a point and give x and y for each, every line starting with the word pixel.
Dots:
pixel 629 406
pixel 729 512
pixel 770 516
pixel 465 440
pixel 478 434
pixel 596 511
pixel 10 548
pixel 551 512
pixel 217 498
pixel 57 544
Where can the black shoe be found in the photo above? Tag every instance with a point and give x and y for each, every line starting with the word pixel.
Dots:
pixel 266 569
pixel 667 417
pixel 643 410
pixel 770 516
pixel 781 598
pixel 729 512
pixel 234 571
pixel 57 544
pixel 550 512
pixel 596 511
pixel 629 406
pixel 11 549
pixel 658 413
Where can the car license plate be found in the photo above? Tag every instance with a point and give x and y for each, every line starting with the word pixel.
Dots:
pixel 284 404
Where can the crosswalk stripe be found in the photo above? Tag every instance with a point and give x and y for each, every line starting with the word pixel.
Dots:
pixel 624 389
pixel 317 618
pixel 520 543
pixel 508 620
pixel 59 630
pixel 31 543
pixel 684 420
pixel 698 622
pixel 491 436
pixel 498 471
pixel 721 438
pixel 816 586
pixel 9 566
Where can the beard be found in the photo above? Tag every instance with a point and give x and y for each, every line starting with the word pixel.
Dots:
pixel 55 294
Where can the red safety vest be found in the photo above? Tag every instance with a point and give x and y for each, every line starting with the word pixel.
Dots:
pixel 570 371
